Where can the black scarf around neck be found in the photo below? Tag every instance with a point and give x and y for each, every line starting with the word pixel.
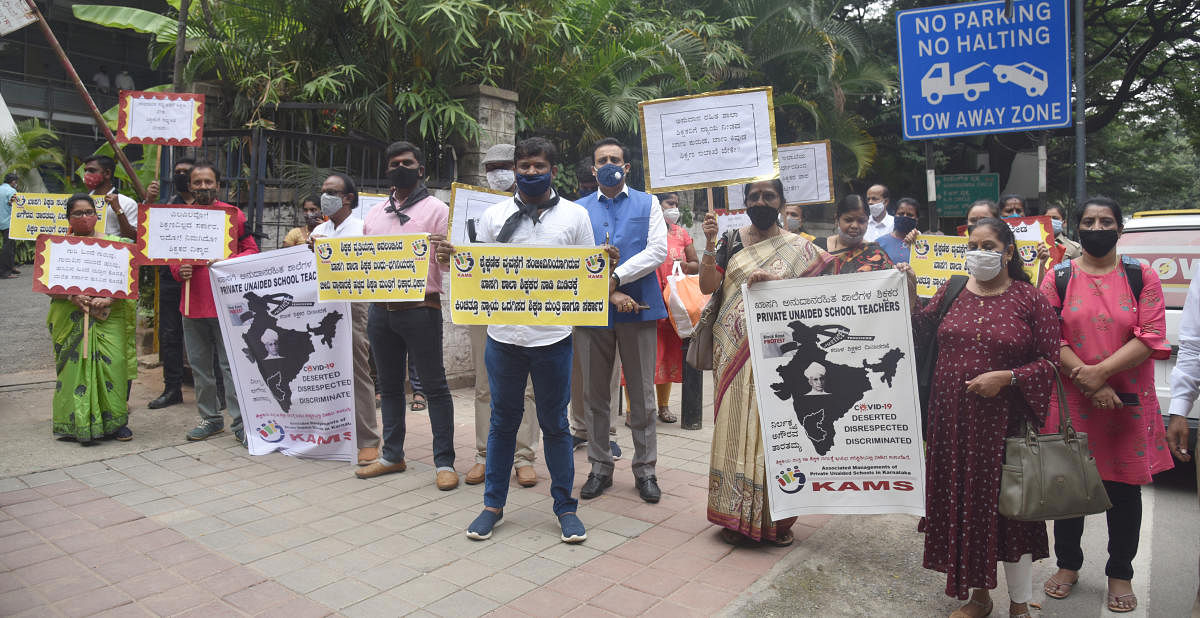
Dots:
pixel 419 193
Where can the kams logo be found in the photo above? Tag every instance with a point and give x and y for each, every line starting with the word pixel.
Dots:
pixel 862 486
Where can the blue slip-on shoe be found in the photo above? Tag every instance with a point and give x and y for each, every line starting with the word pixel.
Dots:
pixel 616 450
pixel 572 528
pixel 481 528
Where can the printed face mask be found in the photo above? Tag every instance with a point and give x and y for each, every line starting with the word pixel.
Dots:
pixel 877 210
pixel 610 175
pixel 984 265
pixel 330 204
pixel 91 180
pixel 501 180
pixel 204 197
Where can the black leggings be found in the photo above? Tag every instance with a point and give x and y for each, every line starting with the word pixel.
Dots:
pixel 1124 530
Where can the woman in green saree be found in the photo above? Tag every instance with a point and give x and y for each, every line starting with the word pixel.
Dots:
pixel 737 491
pixel 91 393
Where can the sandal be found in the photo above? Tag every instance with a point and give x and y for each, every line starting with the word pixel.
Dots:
pixel 961 613
pixel 664 415
pixel 1053 588
pixel 734 537
pixel 418 402
pixel 1115 601
pixel 786 541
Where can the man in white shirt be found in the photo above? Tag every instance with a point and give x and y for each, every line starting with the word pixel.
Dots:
pixel 536 215
pixel 121 218
pixel 339 196
pixel 880 221
pixel 124 81
pixel 102 80
pixel 1185 386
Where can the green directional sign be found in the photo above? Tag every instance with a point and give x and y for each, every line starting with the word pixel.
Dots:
pixel 956 192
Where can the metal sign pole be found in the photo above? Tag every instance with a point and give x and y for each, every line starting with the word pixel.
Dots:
pixel 1080 115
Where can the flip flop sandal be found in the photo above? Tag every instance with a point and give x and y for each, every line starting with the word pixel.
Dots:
pixel 786 541
pixel 959 613
pixel 735 538
pixel 664 415
pixel 418 402
pixel 1053 588
pixel 1113 601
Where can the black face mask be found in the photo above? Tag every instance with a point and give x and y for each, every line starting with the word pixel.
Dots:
pixel 404 177
pixel 1098 243
pixel 763 217
pixel 181 182
pixel 903 224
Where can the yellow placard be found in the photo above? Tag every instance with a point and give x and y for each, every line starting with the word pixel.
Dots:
pixel 934 259
pixel 45 213
pixel 372 268
pixel 548 286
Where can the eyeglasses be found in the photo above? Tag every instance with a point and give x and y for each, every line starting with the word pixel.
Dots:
pixel 79 214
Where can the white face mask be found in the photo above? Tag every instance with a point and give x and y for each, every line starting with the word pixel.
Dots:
pixel 1057 224
pixel 672 215
pixel 501 180
pixel 984 265
pixel 330 204
pixel 877 209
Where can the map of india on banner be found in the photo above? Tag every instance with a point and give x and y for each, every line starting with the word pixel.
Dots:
pixel 290 356
pixel 836 384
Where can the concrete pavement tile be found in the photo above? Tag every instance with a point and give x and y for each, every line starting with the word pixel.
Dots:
pixel 69 586
pixel 429 558
pixel 589 611
pixel 12 484
pixel 362 535
pixel 164 453
pixel 306 579
pixel 654 582
pixel 41 521
pixel 327 547
pixel 624 601
pixel 224 538
pixel 155 540
pixel 400 522
pixel 28 555
pixel 133 528
pixel 105 512
pixel 260 597
pixel 309 514
pixel 334 524
pixel 45 478
pixel 9 526
pixel 571 554
pixel 461 546
pixel 639 551
pixel 103 479
pixel 527 517
pixel 501 587
pixel 262 528
pixel 424 590
pixel 669 609
pixel 204 566
pixel 250 551
pixel 750 560
pixel 159 506
pixel 626 526
pixel 262 493
pixel 87 494
pixel 537 569
pixel 611 567
pixel 92 602
pixel 506 611
pixel 580 585
pixel 283 504
pixel 31 507
pixel 17 496
pixel 405 501
pixel 388 575
pixel 221 505
pixel 371 512
pixel 153 475
pixel 464 572
pixel 662 536
pixel 125 568
pixel 244 515
pixel 432 531
pixel 355 561
pixel 63 566
pixel 9 582
pixel 602 540
pixel 379 606
pixel 298 607
pixel 128 461
pixel 702 597
pixel 232 580
pixel 212 609
pixel 152 583
pixel 140 496
pixel 196 448
pixel 200 495
pixel 238 487
pixel 462 603
pixel 689 522
pixel 726 577
pixel 683 564
pixel 499 555
pixel 178 553
pixel 17 601
pixel 343 593
pixel 278 564
pixel 131 610
pixel 544 603
pixel 293 537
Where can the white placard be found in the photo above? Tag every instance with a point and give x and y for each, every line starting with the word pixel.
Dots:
pixel 14 15
pixel 186 234
pixel 468 203
pixel 290 356
pixel 728 220
pixel 84 266
pixel 709 140
pixel 162 118
pixel 367 201
pixel 805 172
pixel 837 394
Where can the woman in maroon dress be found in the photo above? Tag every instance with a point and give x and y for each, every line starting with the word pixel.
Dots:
pixel 998 351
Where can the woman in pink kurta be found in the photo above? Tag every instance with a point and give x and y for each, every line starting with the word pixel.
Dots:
pixel 1109 342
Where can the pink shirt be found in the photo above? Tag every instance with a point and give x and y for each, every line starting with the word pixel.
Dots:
pixel 428 216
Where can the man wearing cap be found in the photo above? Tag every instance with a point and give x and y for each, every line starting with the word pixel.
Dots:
pixel 498 166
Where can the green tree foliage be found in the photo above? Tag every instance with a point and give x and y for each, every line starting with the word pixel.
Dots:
pixel 30 147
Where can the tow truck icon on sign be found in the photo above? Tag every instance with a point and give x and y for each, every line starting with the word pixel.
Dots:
pixel 1023 74
pixel 937 83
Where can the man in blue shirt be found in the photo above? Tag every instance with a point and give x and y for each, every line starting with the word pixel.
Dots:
pixel 633 222
pixel 7 191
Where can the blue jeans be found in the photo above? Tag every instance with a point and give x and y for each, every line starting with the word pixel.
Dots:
pixel 417 335
pixel 508 367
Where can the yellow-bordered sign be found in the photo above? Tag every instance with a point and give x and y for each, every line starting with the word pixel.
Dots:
pixel 372 268
pixel 34 214
pixel 548 286
pixel 934 259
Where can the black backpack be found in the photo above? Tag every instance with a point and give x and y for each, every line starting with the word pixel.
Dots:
pixel 927 355
pixel 1133 274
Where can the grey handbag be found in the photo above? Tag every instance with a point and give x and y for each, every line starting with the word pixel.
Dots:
pixel 1050 476
pixel 700 349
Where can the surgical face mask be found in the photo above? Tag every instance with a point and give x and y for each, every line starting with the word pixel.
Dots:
pixel 330 204
pixel 877 209
pixel 1098 243
pixel 984 265
pixel 91 180
pixel 180 179
pixel 1057 224
pixel 501 180
pixel 671 215
pixel 792 224
pixel 534 185
pixel 204 197
pixel 404 177
pixel 610 175
pixel 763 217
pixel 903 224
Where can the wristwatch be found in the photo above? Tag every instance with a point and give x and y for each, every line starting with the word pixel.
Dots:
pixel 616 278
pixel 1013 381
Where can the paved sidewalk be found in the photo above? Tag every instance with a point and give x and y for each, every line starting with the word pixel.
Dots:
pixel 204 529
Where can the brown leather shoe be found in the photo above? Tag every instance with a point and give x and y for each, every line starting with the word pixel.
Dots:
pixel 447 480
pixel 379 469
pixel 368 455
pixel 475 474
pixel 526 477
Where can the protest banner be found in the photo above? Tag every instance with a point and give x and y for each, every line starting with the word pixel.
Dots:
pixel 806 171
pixel 467 204
pixel 548 286
pixel 289 355
pixel 836 384
pixel 934 259
pixel 730 219
pixel 14 15
pixel 84 265
pixel 163 118
pixel 34 214
pixel 175 234
pixel 372 268
pixel 709 140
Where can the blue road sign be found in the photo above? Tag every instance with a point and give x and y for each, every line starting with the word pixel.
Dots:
pixel 967 69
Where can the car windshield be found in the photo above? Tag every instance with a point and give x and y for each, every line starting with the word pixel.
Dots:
pixel 1173 253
